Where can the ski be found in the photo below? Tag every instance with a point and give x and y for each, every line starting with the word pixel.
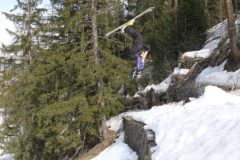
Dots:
pixel 138 16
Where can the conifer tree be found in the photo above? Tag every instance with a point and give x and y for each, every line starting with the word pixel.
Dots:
pixel 27 19
pixel 174 27
pixel 56 103
pixel 192 24
pixel 214 11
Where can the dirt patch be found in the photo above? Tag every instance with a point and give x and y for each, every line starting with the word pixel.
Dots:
pixel 98 148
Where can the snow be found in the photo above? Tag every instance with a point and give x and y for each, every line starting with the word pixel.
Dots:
pixel 162 87
pixel 10 55
pixel 211 75
pixel 178 71
pixel 212 45
pixel 117 151
pixel 207 128
pixel 217 76
pixel 4 156
pixel 204 53
pixel 115 123
pixel 216 34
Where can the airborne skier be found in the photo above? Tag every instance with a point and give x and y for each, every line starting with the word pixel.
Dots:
pixel 138 50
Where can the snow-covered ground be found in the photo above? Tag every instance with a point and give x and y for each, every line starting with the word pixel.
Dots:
pixel 117 151
pixel 208 128
pixel 217 76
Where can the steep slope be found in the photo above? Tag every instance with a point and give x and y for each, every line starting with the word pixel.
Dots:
pixel 205 128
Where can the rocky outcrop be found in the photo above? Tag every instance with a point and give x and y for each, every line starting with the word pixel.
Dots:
pixel 182 87
pixel 137 138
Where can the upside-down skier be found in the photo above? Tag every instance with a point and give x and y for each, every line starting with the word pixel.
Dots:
pixel 138 50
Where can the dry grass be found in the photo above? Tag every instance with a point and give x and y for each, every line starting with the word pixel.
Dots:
pixel 98 148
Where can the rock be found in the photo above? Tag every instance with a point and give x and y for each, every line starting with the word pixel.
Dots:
pixel 137 138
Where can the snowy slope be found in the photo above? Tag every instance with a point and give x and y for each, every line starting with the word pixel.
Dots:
pixel 117 151
pixel 207 128
pixel 218 76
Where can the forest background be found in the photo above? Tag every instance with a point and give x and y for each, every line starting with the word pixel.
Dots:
pixel 66 86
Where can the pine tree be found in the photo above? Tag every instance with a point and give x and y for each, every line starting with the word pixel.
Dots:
pixel 175 26
pixel 192 24
pixel 59 101
pixel 28 23
pixel 27 18
pixel 215 11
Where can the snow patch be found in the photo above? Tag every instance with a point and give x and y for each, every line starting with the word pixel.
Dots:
pixel 206 128
pixel 178 71
pixel 217 76
pixel 204 53
pixel 162 87
pixel 215 34
pixel 117 151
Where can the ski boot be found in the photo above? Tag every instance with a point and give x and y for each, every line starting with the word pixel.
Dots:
pixel 129 23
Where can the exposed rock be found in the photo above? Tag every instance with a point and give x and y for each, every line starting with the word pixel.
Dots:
pixel 182 86
pixel 137 138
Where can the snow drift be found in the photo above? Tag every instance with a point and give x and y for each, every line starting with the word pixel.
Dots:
pixel 207 128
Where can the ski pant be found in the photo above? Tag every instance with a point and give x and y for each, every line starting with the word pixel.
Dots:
pixel 139 62
pixel 137 45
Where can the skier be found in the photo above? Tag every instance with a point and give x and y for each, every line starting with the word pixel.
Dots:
pixel 138 51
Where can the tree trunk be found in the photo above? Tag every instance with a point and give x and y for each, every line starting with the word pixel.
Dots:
pixel 29 35
pixel 175 10
pixel 236 6
pixel 235 54
pixel 206 10
pixel 221 10
pixel 103 128
pixel 94 32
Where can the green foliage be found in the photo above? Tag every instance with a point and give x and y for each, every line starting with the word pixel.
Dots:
pixel 168 38
pixel 215 11
pixel 158 31
pixel 28 24
pixel 56 103
pixel 192 24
